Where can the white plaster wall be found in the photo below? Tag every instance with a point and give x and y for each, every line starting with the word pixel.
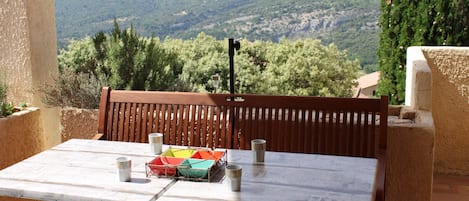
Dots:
pixel 418 80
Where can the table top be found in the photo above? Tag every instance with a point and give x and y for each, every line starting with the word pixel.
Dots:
pixel 288 176
pixel 85 170
pixel 82 170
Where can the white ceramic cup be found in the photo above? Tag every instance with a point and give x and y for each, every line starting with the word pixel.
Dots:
pixel 124 166
pixel 258 150
pixel 156 142
pixel 233 174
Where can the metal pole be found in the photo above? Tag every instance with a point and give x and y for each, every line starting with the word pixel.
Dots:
pixel 231 55
pixel 232 45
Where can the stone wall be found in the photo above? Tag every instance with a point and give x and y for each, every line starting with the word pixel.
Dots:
pixel 21 136
pixel 78 123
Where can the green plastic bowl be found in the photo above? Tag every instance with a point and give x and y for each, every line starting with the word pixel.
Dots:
pixel 195 168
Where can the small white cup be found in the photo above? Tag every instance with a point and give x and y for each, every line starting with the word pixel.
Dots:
pixel 156 142
pixel 233 174
pixel 124 166
pixel 258 150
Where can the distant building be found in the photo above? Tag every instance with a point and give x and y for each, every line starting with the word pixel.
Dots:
pixel 367 85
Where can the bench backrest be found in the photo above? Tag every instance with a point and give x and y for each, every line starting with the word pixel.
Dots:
pixel 339 126
pixel 192 119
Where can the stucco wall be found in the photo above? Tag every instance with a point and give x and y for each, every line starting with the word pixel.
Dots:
pixel 21 136
pixel 410 159
pixel 450 107
pixel 15 50
pixel 29 56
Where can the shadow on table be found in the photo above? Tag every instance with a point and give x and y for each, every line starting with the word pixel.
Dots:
pixel 140 180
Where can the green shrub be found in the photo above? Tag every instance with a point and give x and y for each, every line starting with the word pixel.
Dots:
pixel 73 89
pixel 3 89
pixel 5 108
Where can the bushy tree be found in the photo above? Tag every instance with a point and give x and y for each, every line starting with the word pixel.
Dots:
pixel 124 60
pixel 80 56
pixel 302 67
pixel 201 58
pixel 134 62
pixel 305 67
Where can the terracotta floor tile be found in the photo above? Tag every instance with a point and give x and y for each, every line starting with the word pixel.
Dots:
pixel 463 190
pixel 449 197
pixel 458 180
pixel 450 188
pixel 442 188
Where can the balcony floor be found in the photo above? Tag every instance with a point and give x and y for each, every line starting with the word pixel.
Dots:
pixel 450 188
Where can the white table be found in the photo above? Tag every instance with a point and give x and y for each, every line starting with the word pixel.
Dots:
pixel 82 170
pixel 288 176
pixel 85 170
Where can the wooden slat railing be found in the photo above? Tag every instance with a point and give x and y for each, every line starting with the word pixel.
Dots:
pixel 340 126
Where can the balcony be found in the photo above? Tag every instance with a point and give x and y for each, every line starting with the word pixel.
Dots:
pixel 427 136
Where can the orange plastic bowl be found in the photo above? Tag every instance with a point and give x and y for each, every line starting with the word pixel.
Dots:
pixel 166 166
pixel 208 155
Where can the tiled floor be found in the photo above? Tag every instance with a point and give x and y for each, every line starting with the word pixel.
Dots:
pixel 450 188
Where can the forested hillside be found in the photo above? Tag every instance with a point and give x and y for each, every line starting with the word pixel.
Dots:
pixel 350 24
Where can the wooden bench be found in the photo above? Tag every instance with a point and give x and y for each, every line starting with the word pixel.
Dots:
pixel 324 125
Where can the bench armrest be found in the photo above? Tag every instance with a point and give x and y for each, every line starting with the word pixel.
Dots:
pixel 99 136
pixel 380 190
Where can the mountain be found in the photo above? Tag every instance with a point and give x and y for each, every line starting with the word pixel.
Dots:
pixel 350 24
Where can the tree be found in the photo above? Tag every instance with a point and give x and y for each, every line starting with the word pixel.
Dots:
pixel 305 67
pixel 133 62
pixel 416 23
pixel 124 60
